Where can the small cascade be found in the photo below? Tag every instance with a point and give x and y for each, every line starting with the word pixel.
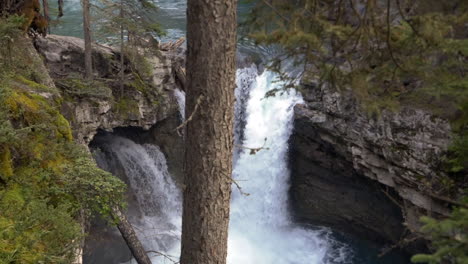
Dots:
pixel 156 215
pixel 180 97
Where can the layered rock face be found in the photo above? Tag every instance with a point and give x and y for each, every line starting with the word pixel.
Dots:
pixel 362 174
pixel 143 109
pixel 144 102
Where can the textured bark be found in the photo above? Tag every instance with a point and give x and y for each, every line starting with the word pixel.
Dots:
pixel 122 49
pixel 60 8
pixel 87 39
pixel 211 41
pixel 45 7
pixel 129 235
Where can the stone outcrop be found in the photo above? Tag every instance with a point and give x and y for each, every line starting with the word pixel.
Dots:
pixel 103 105
pixel 145 110
pixel 360 173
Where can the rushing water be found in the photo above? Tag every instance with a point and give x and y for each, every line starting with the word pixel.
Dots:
pixel 261 231
pixel 180 97
pixel 158 216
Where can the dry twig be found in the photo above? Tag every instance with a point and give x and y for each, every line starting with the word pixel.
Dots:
pixel 199 100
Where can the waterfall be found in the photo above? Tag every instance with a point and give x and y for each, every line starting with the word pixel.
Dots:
pixel 157 213
pixel 261 230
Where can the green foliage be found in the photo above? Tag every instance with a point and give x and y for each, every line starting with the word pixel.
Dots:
pixel 450 238
pixel 34 86
pixel 77 87
pixel 10 28
pixel 46 180
pixel 139 64
pixel 458 157
pixel 134 18
pixel 390 52
pixel 34 231
pixel 24 65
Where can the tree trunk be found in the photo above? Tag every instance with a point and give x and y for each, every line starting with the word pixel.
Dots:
pixel 122 47
pixel 211 41
pixel 87 40
pixel 45 6
pixel 60 8
pixel 129 235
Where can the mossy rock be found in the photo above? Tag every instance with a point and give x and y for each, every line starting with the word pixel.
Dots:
pixel 6 166
pixel 126 108
pixel 45 179
pixel 77 87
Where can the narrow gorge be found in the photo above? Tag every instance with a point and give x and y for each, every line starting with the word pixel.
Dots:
pixel 318 176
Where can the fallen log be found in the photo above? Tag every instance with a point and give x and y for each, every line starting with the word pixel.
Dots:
pixel 130 237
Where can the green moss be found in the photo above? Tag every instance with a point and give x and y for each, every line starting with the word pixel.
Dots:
pixel 76 87
pixel 6 167
pixel 12 197
pixel 142 66
pixel 63 128
pixel 34 86
pixel 139 84
pixel 22 105
pixel 126 107
pixel 50 180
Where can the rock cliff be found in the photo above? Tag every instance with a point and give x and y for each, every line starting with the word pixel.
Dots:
pixel 144 108
pixel 141 101
pixel 362 173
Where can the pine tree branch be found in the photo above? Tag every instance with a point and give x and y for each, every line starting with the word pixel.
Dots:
pixel 401 243
pixel 276 10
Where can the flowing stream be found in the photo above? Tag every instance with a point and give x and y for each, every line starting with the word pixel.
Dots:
pixel 261 231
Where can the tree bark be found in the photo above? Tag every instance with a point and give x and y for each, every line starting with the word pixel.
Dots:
pixel 130 237
pixel 45 6
pixel 122 48
pixel 87 40
pixel 211 35
pixel 60 8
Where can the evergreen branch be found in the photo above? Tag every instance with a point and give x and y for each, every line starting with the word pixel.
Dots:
pixel 401 243
pixel 276 10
